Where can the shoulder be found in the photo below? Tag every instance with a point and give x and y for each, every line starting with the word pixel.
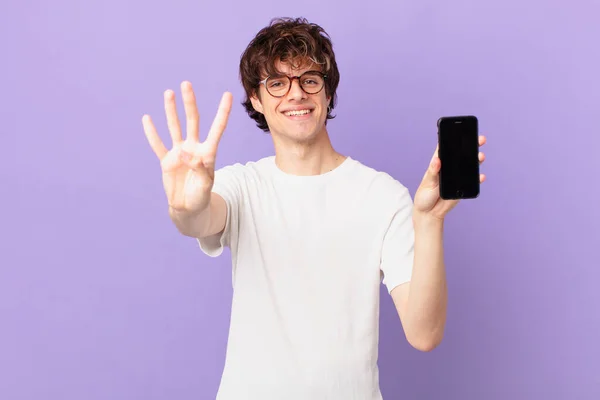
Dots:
pixel 378 183
pixel 247 170
pixel 235 182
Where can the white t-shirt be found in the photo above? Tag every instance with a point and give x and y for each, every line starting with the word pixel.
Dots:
pixel 308 255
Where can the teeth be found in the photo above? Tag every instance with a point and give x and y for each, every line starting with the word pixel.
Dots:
pixel 300 112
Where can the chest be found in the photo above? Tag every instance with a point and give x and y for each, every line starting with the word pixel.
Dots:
pixel 319 234
pixel 314 220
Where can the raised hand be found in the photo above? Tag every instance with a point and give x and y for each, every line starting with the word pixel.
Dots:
pixel 188 168
pixel 427 198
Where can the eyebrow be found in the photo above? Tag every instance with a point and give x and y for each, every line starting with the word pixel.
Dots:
pixel 281 75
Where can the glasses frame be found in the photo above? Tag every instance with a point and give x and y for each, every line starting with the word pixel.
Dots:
pixel 291 80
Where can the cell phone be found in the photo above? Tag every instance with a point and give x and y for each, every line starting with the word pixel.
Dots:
pixel 458 141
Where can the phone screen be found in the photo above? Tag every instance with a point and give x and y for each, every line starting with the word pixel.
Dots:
pixel 458 152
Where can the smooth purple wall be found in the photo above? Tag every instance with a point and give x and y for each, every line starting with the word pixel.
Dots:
pixel 101 298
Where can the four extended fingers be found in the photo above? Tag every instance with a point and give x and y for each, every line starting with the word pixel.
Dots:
pixel 192 120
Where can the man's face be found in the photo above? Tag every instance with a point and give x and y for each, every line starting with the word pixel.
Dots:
pixel 297 115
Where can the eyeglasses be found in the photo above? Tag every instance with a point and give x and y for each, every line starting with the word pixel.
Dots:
pixel 311 82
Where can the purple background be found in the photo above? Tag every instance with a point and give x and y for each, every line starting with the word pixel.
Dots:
pixel 101 298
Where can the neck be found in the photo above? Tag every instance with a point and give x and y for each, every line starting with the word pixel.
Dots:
pixel 304 158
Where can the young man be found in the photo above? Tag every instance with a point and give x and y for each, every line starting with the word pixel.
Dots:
pixel 312 232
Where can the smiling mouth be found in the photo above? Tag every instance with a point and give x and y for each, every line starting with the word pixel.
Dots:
pixel 297 113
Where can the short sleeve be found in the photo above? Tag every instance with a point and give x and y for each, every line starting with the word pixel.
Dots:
pixel 228 185
pixel 397 251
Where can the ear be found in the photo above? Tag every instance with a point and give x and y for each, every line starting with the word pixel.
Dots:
pixel 256 104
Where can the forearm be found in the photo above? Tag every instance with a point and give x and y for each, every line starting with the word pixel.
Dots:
pixel 427 300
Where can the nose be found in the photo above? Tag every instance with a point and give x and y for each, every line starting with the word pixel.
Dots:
pixel 296 92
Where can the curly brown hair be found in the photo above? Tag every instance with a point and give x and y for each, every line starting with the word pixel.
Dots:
pixel 289 40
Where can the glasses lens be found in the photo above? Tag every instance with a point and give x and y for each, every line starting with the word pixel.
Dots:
pixel 278 86
pixel 311 82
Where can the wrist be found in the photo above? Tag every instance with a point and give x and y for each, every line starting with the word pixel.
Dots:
pixel 423 219
pixel 181 214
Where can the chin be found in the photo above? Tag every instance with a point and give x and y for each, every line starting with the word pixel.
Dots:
pixel 300 135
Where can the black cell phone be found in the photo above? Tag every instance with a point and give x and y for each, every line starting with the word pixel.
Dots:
pixel 458 140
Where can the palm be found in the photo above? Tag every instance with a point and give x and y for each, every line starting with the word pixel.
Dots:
pixel 183 185
pixel 427 200
pixel 188 168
